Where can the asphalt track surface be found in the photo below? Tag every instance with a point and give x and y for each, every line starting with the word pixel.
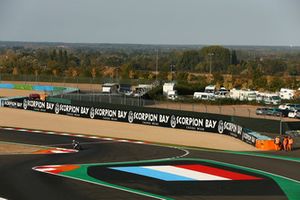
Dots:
pixel 19 181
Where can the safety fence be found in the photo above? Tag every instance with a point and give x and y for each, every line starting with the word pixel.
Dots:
pixel 206 122
pixel 99 98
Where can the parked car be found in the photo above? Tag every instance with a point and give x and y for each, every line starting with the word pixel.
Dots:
pixel 294 107
pixel 276 112
pixel 284 113
pixel 261 111
pixel 284 106
pixel 297 115
pixel 272 112
pixel 289 106
pixel 293 113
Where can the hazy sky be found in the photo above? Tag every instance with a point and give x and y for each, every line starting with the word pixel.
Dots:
pixel 225 22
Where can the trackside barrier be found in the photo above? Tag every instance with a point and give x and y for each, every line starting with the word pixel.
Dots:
pixel 54 90
pixel 6 99
pixel 263 142
pixel 266 145
pixel 147 116
pixel 6 86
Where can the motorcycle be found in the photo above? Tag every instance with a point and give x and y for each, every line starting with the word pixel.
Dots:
pixel 76 145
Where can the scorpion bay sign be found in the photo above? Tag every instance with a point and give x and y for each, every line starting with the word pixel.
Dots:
pixel 153 117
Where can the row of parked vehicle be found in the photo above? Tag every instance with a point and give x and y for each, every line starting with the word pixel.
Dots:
pixel 285 110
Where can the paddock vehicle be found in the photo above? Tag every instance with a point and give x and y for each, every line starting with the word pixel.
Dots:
pixel 293 107
pixel 204 96
pixel 261 111
pixel 294 114
pixel 274 112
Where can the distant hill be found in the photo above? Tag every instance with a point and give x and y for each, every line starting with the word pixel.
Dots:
pixel 135 47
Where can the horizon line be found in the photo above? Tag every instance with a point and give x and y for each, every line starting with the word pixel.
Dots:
pixel 152 44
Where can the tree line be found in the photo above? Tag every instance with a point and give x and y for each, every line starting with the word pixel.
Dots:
pixel 184 65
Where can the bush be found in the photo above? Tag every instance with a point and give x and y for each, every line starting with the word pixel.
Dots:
pixel 188 89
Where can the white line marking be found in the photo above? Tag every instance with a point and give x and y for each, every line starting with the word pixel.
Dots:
pixel 2 198
pixel 94 137
pixel 65 134
pixel 79 135
pixel 23 130
pixel 139 142
pixel 107 139
pixel 50 132
pixel 186 153
pixel 123 140
pixel 36 131
pixel 9 129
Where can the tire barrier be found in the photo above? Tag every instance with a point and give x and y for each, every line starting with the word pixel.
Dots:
pixel 153 116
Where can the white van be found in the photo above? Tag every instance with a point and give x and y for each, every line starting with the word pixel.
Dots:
pixel 271 99
pixel 204 96
pixel 172 95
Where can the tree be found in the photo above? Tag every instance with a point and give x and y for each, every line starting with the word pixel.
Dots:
pixel 234 59
pixel 189 60
pixel 276 84
pixel 125 71
pixel 217 56
pixel 218 78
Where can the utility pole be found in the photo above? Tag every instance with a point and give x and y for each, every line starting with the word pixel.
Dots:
pixel 172 66
pixel 156 65
pixel 210 61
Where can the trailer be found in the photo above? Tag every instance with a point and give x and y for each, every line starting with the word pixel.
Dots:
pixel 287 94
pixel 243 95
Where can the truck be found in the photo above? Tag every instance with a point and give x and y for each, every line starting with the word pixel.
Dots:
pixel 169 91
pixel 168 87
pixel 210 89
pixel 110 88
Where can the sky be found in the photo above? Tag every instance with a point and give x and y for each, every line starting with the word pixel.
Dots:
pixel 209 22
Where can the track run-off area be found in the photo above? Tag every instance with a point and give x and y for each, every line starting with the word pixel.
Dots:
pixel 109 168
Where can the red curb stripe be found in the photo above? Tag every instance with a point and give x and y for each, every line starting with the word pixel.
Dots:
pixel 218 172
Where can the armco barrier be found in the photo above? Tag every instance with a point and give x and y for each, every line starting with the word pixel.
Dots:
pixel 138 115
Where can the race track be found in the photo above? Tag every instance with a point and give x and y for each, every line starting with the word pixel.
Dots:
pixel 20 181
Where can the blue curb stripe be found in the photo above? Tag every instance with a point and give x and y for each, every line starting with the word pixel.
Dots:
pixel 152 173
